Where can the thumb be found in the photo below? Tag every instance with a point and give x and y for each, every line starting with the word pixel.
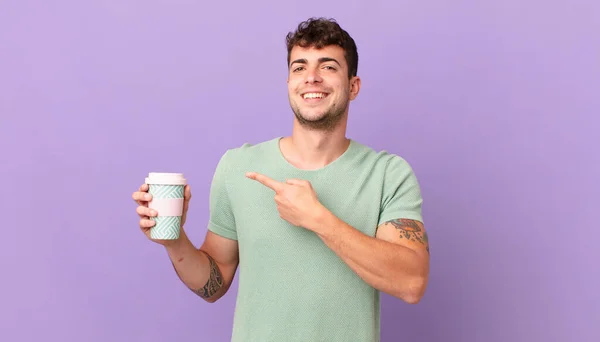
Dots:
pixel 187 193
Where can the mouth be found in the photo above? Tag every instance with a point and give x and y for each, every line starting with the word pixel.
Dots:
pixel 314 96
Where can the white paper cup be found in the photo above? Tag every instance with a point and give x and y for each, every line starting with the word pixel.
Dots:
pixel 167 199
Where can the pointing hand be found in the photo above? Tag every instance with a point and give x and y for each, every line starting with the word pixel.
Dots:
pixel 296 200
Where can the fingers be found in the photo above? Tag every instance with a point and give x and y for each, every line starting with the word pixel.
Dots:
pixel 146 223
pixel 266 181
pixel 145 214
pixel 144 211
pixel 142 195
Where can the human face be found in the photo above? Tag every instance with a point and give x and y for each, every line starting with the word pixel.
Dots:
pixel 319 89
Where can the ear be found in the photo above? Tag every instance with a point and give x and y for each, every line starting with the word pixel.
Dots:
pixel 354 87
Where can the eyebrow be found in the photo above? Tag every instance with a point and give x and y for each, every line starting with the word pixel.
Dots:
pixel 321 60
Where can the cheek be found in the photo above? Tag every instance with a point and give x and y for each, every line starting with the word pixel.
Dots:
pixel 338 86
pixel 292 88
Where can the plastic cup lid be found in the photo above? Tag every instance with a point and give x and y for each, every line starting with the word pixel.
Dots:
pixel 166 178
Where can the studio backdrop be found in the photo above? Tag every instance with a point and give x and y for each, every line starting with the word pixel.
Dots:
pixel 494 104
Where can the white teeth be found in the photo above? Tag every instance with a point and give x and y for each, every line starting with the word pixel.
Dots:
pixel 314 95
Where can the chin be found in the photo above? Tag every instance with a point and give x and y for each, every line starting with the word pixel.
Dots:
pixel 312 117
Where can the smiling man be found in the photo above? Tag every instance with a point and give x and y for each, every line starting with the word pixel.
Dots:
pixel 317 223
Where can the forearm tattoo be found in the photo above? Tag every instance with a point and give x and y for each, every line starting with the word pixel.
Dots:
pixel 214 282
pixel 411 230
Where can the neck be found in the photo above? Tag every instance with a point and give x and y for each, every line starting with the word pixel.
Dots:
pixel 313 149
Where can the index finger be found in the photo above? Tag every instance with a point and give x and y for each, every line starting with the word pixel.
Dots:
pixel 142 194
pixel 266 181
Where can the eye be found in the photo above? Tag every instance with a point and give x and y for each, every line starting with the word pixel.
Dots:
pixel 297 69
pixel 329 67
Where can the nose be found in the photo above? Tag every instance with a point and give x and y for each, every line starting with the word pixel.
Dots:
pixel 312 76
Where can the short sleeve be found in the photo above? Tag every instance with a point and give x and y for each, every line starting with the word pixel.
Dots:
pixel 401 196
pixel 221 220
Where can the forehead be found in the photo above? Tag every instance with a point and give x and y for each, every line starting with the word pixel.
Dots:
pixel 313 55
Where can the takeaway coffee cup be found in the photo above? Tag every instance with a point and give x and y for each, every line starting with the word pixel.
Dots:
pixel 167 199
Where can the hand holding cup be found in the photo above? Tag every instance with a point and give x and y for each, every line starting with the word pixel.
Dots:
pixel 163 201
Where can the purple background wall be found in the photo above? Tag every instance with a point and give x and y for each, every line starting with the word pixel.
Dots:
pixel 491 102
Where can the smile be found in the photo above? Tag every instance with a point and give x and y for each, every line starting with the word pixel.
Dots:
pixel 314 96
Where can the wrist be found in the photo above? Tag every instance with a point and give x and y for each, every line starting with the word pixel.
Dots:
pixel 177 245
pixel 321 221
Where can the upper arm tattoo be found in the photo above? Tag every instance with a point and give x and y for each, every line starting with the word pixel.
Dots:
pixel 411 230
pixel 214 282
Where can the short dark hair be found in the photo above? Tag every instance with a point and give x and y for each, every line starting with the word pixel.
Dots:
pixel 322 32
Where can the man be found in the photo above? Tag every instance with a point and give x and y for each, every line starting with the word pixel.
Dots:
pixel 317 223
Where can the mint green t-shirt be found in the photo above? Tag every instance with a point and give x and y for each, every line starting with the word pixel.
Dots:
pixel 292 287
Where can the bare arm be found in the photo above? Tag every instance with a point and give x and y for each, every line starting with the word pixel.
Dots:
pixel 396 261
pixel 207 271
